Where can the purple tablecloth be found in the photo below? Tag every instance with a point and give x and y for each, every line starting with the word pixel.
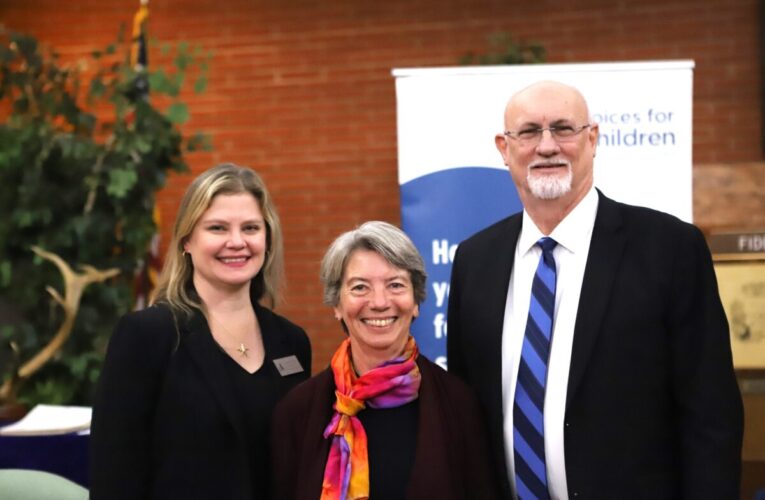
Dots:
pixel 65 455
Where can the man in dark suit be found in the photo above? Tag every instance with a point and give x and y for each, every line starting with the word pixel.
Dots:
pixel 637 396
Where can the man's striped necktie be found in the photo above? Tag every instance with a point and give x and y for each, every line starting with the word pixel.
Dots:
pixel 528 407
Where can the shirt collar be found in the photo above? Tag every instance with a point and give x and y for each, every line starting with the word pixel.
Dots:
pixel 573 232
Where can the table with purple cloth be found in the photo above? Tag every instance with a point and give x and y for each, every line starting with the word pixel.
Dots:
pixel 62 454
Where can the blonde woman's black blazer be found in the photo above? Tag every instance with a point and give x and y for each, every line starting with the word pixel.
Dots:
pixel 166 422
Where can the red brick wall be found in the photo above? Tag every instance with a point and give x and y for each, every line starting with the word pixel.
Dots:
pixel 301 90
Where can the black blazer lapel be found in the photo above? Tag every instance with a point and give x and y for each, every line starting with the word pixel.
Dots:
pixel 498 281
pixel 606 251
pixel 493 299
pixel 276 346
pixel 204 352
pixel 496 287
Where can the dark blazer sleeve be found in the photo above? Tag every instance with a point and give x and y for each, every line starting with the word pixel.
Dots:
pixel 653 408
pixel 285 425
pixel 477 297
pixel 710 414
pixel 480 477
pixel 455 337
pixel 125 403
pixel 471 472
pixel 298 448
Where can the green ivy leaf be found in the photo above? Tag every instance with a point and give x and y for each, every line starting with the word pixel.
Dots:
pixel 97 88
pixel 199 141
pixel 178 113
pixel 53 392
pixel 182 60
pixel 200 85
pixel 24 218
pixel 68 175
pixel 158 82
pixel 7 332
pixel 121 180
pixel 78 365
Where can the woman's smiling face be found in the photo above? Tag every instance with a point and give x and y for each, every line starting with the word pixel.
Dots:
pixel 377 306
pixel 228 243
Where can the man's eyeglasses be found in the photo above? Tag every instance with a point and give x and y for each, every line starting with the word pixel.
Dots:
pixel 561 133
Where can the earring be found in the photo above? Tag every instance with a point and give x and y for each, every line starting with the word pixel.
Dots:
pixel 185 252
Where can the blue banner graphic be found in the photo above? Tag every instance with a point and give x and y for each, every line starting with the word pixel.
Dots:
pixel 438 211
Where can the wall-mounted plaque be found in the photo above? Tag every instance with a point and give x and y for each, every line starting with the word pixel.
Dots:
pixel 740 268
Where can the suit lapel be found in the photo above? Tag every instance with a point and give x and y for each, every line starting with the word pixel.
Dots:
pixel 276 346
pixel 606 251
pixel 498 281
pixel 495 287
pixel 205 354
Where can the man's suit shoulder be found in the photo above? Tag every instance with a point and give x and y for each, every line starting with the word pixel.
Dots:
pixel 493 233
pixel 285 326
pixel 648 222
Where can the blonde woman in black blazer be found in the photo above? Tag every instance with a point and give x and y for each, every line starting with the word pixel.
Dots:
pixel 188 386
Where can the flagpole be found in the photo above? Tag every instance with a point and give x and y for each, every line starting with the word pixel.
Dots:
pixel 148 269
pixel 138 53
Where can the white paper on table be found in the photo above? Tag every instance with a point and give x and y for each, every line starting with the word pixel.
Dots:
pixel 51 419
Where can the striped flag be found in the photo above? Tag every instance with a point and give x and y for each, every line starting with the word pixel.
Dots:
pixel 149 267
pixel 139 57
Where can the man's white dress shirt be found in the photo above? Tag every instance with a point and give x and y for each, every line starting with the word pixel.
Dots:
pixel 573 235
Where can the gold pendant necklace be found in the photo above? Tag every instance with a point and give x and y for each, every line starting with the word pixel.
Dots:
pixel 242 349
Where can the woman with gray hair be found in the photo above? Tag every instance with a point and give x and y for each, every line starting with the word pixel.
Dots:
pixel 381 422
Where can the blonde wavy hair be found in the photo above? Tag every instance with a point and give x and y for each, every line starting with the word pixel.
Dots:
pixel 174 285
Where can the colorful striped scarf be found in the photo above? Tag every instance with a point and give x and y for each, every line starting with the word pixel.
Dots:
pixel 394 383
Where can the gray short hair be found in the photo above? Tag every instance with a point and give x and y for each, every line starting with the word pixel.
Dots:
pixel 390 242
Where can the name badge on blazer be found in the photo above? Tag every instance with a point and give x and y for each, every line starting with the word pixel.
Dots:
pixel 288 365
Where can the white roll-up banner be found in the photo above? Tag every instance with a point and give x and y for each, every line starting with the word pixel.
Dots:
pixel 453 182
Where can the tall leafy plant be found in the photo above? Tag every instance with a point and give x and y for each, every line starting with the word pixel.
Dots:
pixel 82 155
pixel 503 49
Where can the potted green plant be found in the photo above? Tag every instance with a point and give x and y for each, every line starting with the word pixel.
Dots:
pixel 82 155
pixel 503 49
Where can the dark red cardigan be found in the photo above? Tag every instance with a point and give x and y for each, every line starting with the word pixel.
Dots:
pixel 451 458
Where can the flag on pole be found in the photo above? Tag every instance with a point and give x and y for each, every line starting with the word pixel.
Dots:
pixel 149 267
pixel 139 57
pixel 147 270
